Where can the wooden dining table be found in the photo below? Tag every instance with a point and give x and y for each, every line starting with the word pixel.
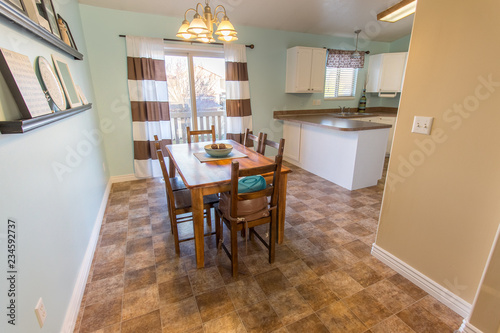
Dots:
pixel 215 177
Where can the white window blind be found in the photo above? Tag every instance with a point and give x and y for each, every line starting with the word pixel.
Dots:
pixel 340 82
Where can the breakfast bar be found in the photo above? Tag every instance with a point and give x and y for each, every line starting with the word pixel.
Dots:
pixel 347 152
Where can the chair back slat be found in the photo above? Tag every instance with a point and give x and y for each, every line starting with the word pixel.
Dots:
pixel 279 146
pixel 259 140
pixel 191 133
pixel 168 186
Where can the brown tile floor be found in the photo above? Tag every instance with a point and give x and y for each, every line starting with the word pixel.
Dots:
pixel 324 278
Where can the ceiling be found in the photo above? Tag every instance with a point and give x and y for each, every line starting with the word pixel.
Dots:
pixel 322 17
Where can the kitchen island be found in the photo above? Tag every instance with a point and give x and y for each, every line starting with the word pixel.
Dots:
pixel 349 153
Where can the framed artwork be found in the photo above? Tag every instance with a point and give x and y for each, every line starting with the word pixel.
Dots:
pixel 42 15
pixel 17 4
pixel 81 95
pixel 67 82
pixel 23 84
pixel 66 35
pixel 50 83
pixel 31 10
pixel 51 17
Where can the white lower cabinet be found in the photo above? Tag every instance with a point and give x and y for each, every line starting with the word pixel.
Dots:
pixel 291 134
pixel 382 120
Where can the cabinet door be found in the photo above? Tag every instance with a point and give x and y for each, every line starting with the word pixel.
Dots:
pixel 373 78
pixel 392 72
pixel 304 60
pixel 318 69
pixel 291 134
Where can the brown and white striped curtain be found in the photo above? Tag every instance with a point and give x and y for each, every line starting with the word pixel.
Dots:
pixel 147 85
pixel 238 110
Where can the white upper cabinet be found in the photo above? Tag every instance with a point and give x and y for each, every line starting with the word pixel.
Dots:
pixel 305 69
pixel 385 73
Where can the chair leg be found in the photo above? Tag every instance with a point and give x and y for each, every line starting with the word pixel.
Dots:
pixel 272 237
pixel 209 217
pixel 176 233
pixel 234 249
pixel 217 228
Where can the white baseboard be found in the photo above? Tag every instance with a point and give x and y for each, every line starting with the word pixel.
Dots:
pixel 79 289
pixel 433 288
pixel 469 328
pixel 123 178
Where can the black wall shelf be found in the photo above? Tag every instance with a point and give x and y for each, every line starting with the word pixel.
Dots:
pixel 39 31
pixel 26 125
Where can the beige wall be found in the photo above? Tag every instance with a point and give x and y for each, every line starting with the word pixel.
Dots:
pixel 441 206
pixel 486 312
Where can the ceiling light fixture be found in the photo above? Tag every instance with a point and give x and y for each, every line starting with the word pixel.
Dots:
pixel 398 11
pixel 356 54
pixel 201 27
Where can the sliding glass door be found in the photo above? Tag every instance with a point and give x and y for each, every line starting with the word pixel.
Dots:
pixel 197 93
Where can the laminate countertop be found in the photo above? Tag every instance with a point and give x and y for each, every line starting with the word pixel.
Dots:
pixel 333 122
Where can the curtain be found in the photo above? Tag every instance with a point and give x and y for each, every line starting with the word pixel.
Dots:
pixel 238 110
pixel 147 85
pixel 344 59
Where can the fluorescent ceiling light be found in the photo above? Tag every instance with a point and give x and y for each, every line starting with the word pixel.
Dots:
pixel 398 11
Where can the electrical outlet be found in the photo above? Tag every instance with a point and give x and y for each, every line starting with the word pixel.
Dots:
pixel 316 102
pixel 422 125
pixel 40 312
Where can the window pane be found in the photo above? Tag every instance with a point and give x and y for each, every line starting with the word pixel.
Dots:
pixel 340 82
pixel 179 95
pixel 210 88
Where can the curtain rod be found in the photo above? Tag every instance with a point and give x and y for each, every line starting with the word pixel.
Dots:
pixel 251 46
pixel 366 52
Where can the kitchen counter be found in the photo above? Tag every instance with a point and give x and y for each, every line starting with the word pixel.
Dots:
pixel 334 121
pixel 350 153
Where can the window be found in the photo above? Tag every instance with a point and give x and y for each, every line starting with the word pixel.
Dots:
pixel 340 82
pixel 197 92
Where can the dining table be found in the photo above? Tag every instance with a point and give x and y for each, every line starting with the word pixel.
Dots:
pixel 214 176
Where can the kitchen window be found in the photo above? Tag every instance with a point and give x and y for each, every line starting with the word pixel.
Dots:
pixel 340 83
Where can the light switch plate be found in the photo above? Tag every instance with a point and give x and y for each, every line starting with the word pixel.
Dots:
pixel 422 125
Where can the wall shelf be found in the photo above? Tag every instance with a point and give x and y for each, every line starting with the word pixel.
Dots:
pixel 25 22
pixel 26 125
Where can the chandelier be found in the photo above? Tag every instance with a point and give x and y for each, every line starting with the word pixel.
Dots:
pixel 201 27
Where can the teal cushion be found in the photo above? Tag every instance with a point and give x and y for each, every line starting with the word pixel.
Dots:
pixel 251 184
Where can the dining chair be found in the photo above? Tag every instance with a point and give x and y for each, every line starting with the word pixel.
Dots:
pixel 240 211
pixel 176 182
pixel 179 203
pixel 259 140
pixel 279 146
pixel 200 132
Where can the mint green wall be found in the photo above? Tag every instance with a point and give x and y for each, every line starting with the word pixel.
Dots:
pixel 266 65
pixel 55 216
pixel 400 45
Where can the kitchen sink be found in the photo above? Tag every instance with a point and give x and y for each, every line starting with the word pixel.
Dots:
pixel 351 114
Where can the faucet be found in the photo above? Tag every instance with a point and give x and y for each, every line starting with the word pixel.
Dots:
pixel 343 109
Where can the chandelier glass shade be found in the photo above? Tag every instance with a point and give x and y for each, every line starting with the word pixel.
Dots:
pixel 201 27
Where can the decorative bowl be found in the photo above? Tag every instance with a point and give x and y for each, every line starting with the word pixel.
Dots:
pixel 218 152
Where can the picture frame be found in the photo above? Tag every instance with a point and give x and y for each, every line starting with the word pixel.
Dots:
pixel 51 84
pixel 66 79
pixel 51 17
pixel 66 35
pixel 21 79
pixel 82 95
pixel 17 4
pixel 42 15
pixel 31 10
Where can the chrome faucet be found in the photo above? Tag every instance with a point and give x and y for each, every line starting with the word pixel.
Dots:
pixel 343 109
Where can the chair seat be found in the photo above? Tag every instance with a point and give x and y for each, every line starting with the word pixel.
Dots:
pixel 182 199
pixel 177 183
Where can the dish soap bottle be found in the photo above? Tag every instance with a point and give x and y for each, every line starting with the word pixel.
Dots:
pixel 362 102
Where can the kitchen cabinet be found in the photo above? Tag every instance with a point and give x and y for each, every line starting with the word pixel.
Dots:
pixel 385 73
pixel 305 69
pixel 291 133
pixel 383 120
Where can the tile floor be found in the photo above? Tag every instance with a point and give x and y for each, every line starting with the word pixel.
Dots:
pixel 324 278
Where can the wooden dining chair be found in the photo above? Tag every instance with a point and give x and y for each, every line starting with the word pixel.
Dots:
pixel 176 182
pixel 179 203
pixel 200 132
pixel 279 146
pixel 258 210
pixel 258 141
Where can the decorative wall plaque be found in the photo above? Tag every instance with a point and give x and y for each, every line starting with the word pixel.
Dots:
pixel 23 84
